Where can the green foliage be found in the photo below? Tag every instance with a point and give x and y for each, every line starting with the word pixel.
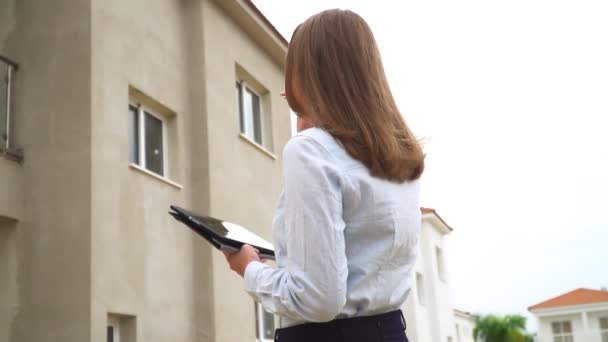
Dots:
pixel 509 328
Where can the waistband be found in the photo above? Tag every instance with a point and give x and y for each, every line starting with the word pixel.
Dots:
pixel 343 328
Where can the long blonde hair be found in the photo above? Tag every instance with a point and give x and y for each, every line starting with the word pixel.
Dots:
pixel 333 61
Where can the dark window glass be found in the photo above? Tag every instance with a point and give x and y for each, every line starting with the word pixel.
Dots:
pixel 268 325
pixel 154 144
pixel 239 106
pixel 110 337
pixel 250 113
pixel 257 319
pixel 257 120
pixel 556 328
pixel 3 92
pixel 133 135
pixel 604 323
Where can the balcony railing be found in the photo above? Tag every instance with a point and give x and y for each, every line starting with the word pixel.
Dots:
pixel 7 70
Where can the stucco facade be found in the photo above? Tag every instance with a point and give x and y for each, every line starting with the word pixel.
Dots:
pixel 428 310
pixel 464 326
pixel 84 235
pixel 584 320
pixel 579 315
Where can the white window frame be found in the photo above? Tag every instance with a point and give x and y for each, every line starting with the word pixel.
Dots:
pixel 115 324
pixel 260 323
pixel 563 335
pixel 420 290
pixel 243 87
pixel 141 111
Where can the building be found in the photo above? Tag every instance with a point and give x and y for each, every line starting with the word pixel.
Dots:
pixel 464 326
pixel 428 310
pixel 119 109
pixel 108 115
pixel 579 315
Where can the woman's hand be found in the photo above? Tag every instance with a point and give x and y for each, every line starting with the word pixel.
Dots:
pixel 239 260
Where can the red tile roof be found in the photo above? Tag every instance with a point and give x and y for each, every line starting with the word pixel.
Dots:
pixel 576 297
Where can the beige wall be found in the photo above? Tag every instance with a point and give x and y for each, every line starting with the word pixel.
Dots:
pixel 51 240
pixel 245 182
pixel 144 263
pixel 183 55
pixel 89 235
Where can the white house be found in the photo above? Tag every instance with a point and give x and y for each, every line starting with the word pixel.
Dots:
pixel 464 325
pixel 428 310
pixel 579 315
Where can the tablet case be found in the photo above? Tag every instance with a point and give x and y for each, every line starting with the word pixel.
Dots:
pixel 199 224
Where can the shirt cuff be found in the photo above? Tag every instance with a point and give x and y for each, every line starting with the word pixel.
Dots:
pixel 251 275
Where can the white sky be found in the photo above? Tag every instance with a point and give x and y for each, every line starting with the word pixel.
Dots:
pixel 512 99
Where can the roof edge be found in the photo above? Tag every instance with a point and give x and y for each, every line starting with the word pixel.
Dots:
pixel 465 313
pixel 431 211
pixel 255 25
pixel 265 20
pixel 540 305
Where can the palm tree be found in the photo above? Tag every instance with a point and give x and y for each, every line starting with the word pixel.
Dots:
pixel 509 328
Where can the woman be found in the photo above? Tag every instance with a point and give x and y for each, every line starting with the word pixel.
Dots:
pixel 347 222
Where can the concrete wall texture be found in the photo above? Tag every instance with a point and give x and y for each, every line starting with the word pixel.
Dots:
pixel 84 235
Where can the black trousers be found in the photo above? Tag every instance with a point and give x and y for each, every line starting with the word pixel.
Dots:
pixel 388 327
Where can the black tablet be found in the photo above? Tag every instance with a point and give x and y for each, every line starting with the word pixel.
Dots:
pixel 222 235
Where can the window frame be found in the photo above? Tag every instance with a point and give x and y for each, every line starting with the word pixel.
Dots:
pixel 562 336
pixel 141 141
pixel 245 86
pixel 260 323
pixel 115 325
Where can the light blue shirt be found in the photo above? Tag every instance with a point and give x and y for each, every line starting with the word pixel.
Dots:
pixel 345 242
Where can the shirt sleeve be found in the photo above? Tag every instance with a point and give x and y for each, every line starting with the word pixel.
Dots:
pixel 312 287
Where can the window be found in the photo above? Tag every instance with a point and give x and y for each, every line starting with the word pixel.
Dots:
pixel 420 289
pixel 604 328
pixel 113 330
pixel 121 328
pixel 4 99
pixel 147 139
pixel 249 105
pixel 254 111
pixel 7 144
pixel 562 331
pixel 264 324
pixel 440 263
